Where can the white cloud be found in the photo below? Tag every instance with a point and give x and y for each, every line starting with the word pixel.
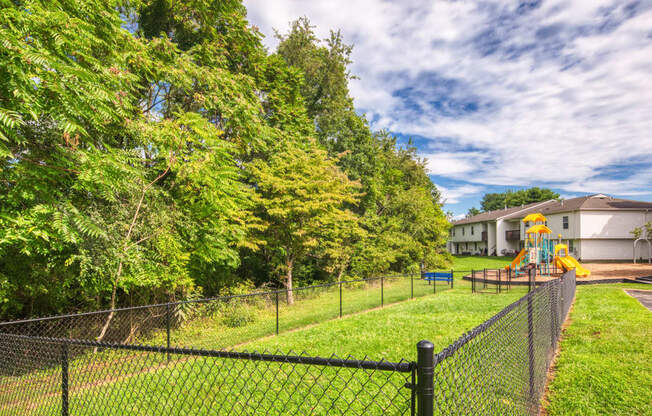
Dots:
pixel 561 92
pixel 454 195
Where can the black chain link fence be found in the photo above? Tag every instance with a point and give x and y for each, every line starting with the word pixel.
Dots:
pixel 119 379
pixel 500 367
pixel 232 320
pixel 57 366
pixel 491 280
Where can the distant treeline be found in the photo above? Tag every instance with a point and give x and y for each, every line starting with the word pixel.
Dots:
pixel 155 150
pixel 509 198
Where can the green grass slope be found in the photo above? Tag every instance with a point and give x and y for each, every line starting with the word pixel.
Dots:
pixel 605 362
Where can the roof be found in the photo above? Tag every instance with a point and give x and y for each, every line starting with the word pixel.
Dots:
pixel 499 213
pixel 598 202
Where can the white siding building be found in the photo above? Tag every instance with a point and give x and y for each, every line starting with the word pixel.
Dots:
pixel 595 227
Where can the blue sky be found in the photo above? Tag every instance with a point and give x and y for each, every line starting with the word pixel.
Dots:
pixel 501 94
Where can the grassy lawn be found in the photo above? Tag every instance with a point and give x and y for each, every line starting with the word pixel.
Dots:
pixel 478 262
pixel 605 364
pixel 393 332
pixel 248 319
pixel 254 318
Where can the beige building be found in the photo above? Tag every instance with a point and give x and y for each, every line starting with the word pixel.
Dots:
pixel 595 227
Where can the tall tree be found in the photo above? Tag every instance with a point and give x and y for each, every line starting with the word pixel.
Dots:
pixel 388 174
pixel 302 195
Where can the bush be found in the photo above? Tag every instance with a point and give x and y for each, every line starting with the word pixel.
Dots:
pixel 235 314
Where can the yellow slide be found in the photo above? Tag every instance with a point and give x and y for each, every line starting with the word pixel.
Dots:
pixel 569 263
pixel 516 260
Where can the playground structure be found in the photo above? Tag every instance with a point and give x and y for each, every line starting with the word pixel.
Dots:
pixel 541 253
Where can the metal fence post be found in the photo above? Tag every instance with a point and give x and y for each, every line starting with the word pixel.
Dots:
pixel 472 281
pixel 498 285
pixel 484 278
pixel 277 312
pixel 411 286
pixel 434 285
pixel 509 278
pixel 64 379
pixel 452 278
pixel 553 314
pixel 167 327
pixel 382 292
pixel 425 378
pixel 340 298
pixel 530 346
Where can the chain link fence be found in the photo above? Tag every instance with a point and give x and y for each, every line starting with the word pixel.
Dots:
pixel 57 366
pixel 500 367
pixel 491 280
pixel 119 379
pixel 234 319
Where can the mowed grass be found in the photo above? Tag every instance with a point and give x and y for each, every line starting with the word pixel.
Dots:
pixel 393 332
pixel 478 262
pixel 390 333
pixel 605 363
pixel 311 306
pixel 252 318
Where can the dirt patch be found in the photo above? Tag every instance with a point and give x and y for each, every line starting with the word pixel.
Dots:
pixel 618 270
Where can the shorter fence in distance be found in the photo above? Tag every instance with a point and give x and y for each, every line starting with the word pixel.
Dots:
pixel 491 280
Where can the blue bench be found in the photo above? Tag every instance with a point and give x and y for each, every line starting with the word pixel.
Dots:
pixel 438 276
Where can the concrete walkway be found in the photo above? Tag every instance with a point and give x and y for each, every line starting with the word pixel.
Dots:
pixel 643 296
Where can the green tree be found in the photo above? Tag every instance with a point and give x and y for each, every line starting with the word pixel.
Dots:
pixel 388 175
pixel 509 198
pixel 302 195
pixel 473 211
pixel 119 170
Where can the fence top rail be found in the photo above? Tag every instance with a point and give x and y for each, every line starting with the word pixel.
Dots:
pixel 467 337
pixel 184 302
pixel 402 366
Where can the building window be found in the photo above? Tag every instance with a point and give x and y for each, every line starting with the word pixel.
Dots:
pixel 453 231
pixel 462 230
pixel 471 230
pixel 564 221
pixel 476 246
pixel 571 247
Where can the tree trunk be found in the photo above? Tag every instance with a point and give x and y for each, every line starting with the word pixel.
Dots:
pixel 105 327
pixel 339 274
pixel 288 281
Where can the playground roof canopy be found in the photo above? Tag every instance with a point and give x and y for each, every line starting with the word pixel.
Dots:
pixel 538 229
pixel 537 216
